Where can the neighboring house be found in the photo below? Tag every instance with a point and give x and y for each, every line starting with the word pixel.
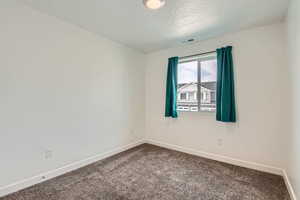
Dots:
pixel 187 96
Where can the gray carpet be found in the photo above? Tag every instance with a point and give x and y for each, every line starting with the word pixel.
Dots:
pixel 149 172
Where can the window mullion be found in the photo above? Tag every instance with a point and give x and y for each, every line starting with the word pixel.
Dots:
pixel 199 84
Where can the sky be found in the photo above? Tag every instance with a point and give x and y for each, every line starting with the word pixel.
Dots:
pixel 187 72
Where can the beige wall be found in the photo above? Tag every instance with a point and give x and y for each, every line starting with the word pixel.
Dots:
pixel 62 89
pixel 259 136
pixel 293 134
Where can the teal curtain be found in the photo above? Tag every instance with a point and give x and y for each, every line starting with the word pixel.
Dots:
pixel 225 86
pixel 171 91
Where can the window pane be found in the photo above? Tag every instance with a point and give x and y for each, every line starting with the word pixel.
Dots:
pixel 208 84
pixel 187 87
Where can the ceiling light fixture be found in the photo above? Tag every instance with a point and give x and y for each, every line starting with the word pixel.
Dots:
pixel 154 4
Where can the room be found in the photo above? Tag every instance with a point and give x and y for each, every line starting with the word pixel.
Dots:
pixel 150 100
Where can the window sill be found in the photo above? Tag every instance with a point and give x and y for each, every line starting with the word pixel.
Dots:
pixel 182 111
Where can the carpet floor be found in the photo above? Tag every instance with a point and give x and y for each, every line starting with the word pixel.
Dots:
pixel 149 172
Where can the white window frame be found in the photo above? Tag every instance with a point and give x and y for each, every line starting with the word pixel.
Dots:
pixel 199 59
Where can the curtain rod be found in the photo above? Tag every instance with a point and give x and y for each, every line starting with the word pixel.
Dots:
pixel 199 54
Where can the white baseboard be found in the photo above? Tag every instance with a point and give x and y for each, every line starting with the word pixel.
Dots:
pixel 76 165
pixel 233 161
pixel 289 186
pixel 57 172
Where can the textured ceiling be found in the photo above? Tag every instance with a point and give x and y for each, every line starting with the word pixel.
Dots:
pixel 128 22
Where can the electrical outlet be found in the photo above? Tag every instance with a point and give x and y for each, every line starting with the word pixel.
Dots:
pixel 133 133
pixel 220 142
pixel 48 154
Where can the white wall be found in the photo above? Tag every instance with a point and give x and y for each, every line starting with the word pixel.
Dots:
pixel 293 38
pixel 259 58
pixel 77 94
pixel 62 89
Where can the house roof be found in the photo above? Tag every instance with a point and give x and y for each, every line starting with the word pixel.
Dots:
pixel 208 85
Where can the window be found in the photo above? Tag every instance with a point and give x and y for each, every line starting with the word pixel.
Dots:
pixel 197 77
pixel 183 96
